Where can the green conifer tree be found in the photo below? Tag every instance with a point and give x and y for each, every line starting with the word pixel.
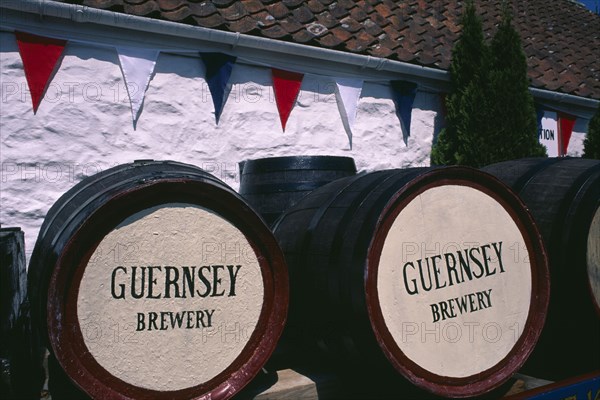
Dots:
pixel 467 57
pixel 491 115
pixel 591 144
pixel 513 129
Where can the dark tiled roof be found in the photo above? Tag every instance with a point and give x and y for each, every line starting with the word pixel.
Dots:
pixel 561 38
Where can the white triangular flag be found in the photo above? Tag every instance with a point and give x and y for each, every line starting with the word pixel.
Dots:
pixel 347 92
pixel 137 66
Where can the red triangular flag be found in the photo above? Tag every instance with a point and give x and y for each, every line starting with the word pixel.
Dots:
pixel 286 86
pixel 39 55
pixel 567 122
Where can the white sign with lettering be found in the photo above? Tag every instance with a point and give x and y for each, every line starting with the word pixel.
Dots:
pixel 548 133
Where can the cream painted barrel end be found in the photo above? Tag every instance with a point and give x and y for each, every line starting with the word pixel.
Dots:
pixel 156 280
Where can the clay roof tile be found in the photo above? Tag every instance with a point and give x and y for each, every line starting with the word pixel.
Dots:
pixel 560 38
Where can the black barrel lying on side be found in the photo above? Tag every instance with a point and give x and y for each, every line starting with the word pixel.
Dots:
pixel 156 280
pixel 415 269
pixel 20 373
pixel 563 195
pixel 272 185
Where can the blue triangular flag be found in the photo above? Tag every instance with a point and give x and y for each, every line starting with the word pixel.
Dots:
pixel 539 114
pixel 218 70
pixel 404 95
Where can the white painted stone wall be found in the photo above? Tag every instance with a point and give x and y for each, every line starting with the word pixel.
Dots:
pixel 580 129
pixel 84 125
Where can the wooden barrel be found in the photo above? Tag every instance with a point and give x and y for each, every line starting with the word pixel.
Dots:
pixel 416 265
pixel 156 280
pixel 18 373
pixel 563 195
pixel 13 284
pixel 272 185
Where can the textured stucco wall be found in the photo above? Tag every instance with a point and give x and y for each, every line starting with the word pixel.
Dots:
pixel 84 126
pixel 575 148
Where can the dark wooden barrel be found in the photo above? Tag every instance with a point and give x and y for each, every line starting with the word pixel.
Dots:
pixel 563 195
pixel 156 280
pixel 414 269
pixel 13 282
pixel 18 373
pixel 272 185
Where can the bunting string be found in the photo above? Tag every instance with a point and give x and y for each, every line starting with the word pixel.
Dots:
pixel 347 92
pixel 137 66
pixel 404 93
pixel 567 122
pixel 218 71
pixel 41 58
pixel 286 86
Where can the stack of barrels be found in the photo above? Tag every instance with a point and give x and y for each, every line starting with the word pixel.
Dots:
pixel 414 270
pixel 156 280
